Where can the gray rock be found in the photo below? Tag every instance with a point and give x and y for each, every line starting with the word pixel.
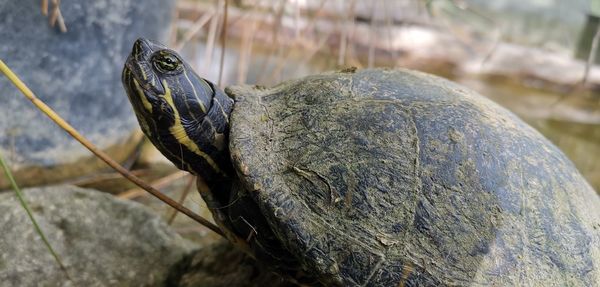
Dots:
pixel 102 241
pixel 77 73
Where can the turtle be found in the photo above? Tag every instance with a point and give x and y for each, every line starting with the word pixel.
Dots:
pixel 372 177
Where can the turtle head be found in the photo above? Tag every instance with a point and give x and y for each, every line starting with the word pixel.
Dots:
pixel 186 117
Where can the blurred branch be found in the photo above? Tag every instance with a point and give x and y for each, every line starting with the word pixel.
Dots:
pixel 195 29
pixel 346 26
pixel 297 40
pixel 389 23
pixel 173 29
pixel 223 42
pixel 45 7
pixel 55 15
pixel 212 35
pixel 372 38
pixel 274 39
pixel 246 51
pixel 159 183
pixel 591 56
pixel 184 193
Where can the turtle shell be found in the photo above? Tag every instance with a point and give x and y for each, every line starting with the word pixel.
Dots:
pixel 399 178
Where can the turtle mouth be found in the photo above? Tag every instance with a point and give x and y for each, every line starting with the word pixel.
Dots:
pixel 139 66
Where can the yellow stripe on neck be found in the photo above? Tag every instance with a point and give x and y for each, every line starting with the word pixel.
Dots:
pixel 144 76
pixel 178 131
pixel 202 107
pixel 142 96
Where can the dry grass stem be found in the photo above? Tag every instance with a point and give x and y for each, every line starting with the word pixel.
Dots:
pixel 173 29
pixel 55 15
pixel 346 27
pixel 591 56
pixel 36 226
pixel 157 184
pixel 277 15
pixel 194 29
pixel 372 38
pixel 223 42
pixel 211 38
pixel 101 177
pixel 184 193
pixel 283 56
pixel 314 50
pixel 246 51
pixel 61 22
pixel 389 24
pixel 45 7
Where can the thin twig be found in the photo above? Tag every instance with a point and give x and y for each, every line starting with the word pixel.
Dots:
pixel 194 29
pixel 591 56
pixel 580 87
pixel 314 50
pixel 186 190
pixel 495 43
pixel 223 43
pixel 344 36
pixel 173 28
pixel 37 228
pixel 389 23
pixel 351 57
pixel 56 17
pixel 159 183
pixel 274 43
pixel 61 22
pixel 100 177
pixel 210 39
pixel 45 7
pixel 246 51
pixel 284 56
pixel 99 153
pixel 372 38
pixel 297 19
pixel 54 13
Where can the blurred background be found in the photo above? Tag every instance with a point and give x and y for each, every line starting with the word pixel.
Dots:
pixel 537 58
pixel 529 56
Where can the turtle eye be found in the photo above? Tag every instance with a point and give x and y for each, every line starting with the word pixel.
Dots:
pixel 166 62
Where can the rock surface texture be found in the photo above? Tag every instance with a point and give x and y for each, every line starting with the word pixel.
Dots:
pixel 102 241
pixel 77 73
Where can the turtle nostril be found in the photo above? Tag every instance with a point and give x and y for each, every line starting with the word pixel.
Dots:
pixel 140 46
